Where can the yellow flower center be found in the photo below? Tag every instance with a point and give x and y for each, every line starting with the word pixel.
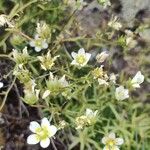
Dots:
pixel 111 143
pixel 38 43
pixel 98 73
pixel 42 133
pixel 80 59
pixel 48 63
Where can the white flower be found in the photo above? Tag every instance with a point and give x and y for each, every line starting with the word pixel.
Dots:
pixel 81 58
pixel 1 84
pixel 90 114
pixel 102 82
pixel 137 80
pixel 114 23
pixel 39 44
pixel 121 93
pixel 111 142
pixel 102 56
pixel 41 133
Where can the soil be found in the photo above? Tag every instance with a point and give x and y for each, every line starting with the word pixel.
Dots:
pixel 16 116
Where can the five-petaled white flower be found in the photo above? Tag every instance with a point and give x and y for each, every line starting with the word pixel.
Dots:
pixel 41 133
pixel 39 43
pixel 121 93
pixel 81 58
pixel 111 142
pixel 137 80
pixel 1 84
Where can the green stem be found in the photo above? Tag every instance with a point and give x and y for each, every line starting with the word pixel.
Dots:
pixel 6 94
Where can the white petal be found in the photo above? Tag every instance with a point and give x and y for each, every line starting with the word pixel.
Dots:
pixel 32 44
pixel 89 112
pixel 38 49
pixel 81 51
pixel 88 55
pixel 51 76
pixel 106 148
pixel 102 82
pixel 40 58
pixel 33 139
pixel 138 78
pixel 25 51
pixel 37 92
pixel 73 54
pixel 45 123
pixel 52 130
pixel 135 85
pixel 43 67
pixel 116 148
pixel 121 93
pixel 74 62
pixel 126 93
pixel 45 143
pixel 44 45
pixel 119 141
pixel 1 84
pixel 46 93
pixel 104 140
pixel 34 126
pixel 36 36
pixel 95 113
pixel 111 135
pixel 63 81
